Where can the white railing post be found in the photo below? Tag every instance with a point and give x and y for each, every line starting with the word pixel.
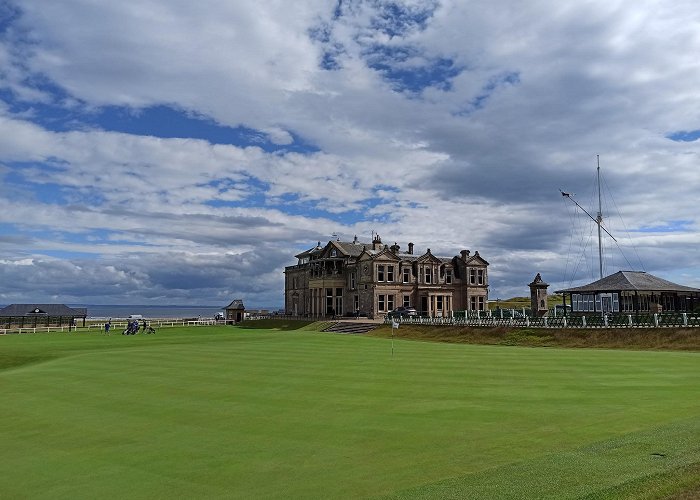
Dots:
pixel 584 321
pixel 656 320
pixel 629 319
pixel 527 321
pixel 545 322
pixel 564 321
pixel 605 320
pixel 685 319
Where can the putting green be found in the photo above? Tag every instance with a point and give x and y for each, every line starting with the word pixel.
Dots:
pixel 229 412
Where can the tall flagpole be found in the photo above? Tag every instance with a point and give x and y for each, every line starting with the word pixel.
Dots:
pixel 599 220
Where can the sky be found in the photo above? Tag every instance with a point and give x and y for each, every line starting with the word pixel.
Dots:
pixel 178 152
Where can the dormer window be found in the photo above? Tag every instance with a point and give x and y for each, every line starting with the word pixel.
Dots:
pixel 334 252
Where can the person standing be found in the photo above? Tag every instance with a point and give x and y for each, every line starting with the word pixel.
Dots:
pixel 108 325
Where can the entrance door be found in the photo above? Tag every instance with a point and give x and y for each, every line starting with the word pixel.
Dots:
pixel 424 305
pixel 606 302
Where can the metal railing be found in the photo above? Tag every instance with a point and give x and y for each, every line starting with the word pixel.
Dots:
pixel 489 319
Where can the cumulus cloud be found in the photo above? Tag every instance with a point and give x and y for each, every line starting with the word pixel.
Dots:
pixel 449 124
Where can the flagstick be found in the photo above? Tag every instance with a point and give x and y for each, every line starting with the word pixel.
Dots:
pixel 392 340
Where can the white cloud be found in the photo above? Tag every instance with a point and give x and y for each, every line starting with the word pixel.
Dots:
pixel 477 163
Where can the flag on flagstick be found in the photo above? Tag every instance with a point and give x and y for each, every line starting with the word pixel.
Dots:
pixel 394 325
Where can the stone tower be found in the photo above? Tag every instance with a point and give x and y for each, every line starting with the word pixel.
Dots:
pixel 538 296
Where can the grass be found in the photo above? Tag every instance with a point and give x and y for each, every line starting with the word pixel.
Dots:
pixel 228 412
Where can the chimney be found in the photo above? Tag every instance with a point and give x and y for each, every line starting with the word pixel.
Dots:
pixel 395 248
pixel 410 248
pixel 465 255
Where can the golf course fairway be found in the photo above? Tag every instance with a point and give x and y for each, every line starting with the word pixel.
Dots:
pixel 230 412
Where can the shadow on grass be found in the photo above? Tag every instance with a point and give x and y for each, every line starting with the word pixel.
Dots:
pixel 9 361
pixel 658 463
pixel 276 324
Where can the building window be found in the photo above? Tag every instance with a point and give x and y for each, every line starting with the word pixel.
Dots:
pixel 448 276
pixel 352 280
pixel 407 301
pixel 481 304
pixel 472 303
pixel 390 273
pixel 334 252
pixel 380 273
pixel 480 276
pixel 668 303
pixel 643 302
pixel 356 303
pixel 406 274
pixel 389 302
pixel 428 275
pixel 329 300
pixel 381 303
pixel 472 276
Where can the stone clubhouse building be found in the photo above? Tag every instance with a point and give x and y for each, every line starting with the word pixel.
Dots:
pixel 350 278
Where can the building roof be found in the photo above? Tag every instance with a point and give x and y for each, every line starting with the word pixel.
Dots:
pixel 353 249
pixel 236 304
pixel 630 281
pixel 54 310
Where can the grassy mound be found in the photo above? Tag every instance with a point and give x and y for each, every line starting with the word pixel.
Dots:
pixel 612 338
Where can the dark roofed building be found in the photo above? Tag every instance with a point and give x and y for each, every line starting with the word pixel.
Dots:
pixel 34 315
pixel 235 312
pixel 632 292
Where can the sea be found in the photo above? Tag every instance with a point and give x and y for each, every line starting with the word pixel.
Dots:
pixel 95 311
pixel 124 311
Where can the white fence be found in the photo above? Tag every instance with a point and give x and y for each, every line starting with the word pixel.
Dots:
pixel 117 326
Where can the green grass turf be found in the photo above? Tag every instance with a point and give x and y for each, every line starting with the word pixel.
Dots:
pixel 226 412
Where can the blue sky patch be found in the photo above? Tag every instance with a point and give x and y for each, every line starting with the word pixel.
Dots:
pixel 8 14
pixel 673 226
pixel 395 19
pixel 436 73
pixel 684 135
pixel 494 83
